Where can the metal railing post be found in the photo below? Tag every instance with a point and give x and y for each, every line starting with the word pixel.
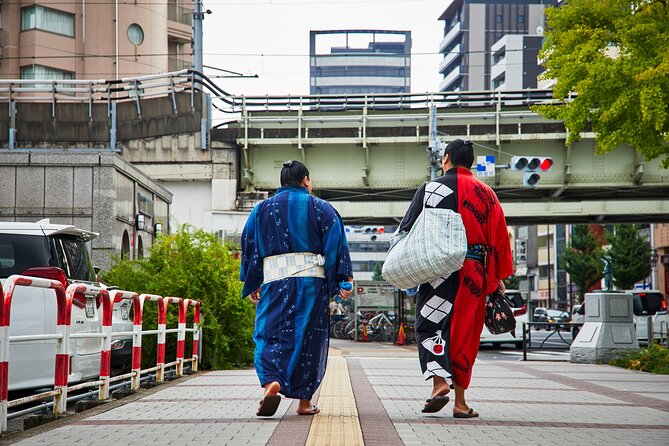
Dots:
pixel 112 127
pixel 524 341
pixel 196 335
pixel 181 336
pixel 63 346
pixel 105 353
pixel 650 330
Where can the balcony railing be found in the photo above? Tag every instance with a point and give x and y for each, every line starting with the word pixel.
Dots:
pixel 180 14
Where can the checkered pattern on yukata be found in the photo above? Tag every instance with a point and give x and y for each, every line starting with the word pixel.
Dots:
pixel 294 264
pixel 435 246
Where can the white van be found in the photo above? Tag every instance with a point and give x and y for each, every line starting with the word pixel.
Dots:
pixel 649 303
pixel 56 252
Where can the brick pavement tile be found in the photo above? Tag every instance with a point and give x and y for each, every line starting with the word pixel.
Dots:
pixel 543 413
pixel 516 436
pixel 222 380
pixel 475 394
pixel 218 433
pixel 176 410
pixel 664 396
pixel 654 380
pixel 204 392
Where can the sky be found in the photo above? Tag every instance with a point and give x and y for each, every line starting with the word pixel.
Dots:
pixel 270 38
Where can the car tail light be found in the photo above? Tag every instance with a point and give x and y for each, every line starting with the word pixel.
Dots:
pixel 57 274
pixel 664 305
pixel 48 272
pixel 520 311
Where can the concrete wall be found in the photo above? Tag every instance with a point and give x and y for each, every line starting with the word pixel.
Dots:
pixel 37 127
pixel 96 192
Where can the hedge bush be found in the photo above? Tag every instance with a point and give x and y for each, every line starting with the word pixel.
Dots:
pixel 193 264
pixel 653 359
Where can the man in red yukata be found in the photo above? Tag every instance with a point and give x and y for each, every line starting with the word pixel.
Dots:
pixel 450 309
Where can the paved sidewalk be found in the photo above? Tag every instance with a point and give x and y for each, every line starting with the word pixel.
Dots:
pixel 372 395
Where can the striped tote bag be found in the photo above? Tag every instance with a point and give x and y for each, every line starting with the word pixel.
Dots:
pixel 435 247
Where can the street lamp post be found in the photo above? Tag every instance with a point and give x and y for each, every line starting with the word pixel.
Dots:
pixel 653 264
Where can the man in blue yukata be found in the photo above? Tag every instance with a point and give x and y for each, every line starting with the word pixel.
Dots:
pixel 294 255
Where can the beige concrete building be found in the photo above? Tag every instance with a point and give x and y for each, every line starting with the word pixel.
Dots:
pixel 80 39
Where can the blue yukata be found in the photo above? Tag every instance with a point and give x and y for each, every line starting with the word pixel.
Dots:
pixel 292 318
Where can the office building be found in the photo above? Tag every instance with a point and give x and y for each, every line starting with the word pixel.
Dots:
pixel 472 27
pixel 360 61
pixel 52 39
pixel 514 62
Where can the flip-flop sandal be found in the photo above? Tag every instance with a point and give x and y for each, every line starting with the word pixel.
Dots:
pixel 434 405
pixel 469 414
pixel 314 410
pixel 268 406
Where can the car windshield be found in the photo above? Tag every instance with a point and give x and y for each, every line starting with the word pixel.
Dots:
pixel 647 303
pixel 516 299
pixel 21 252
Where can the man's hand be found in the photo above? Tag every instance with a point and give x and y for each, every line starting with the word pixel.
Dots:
pixel 345 294
pixel 255 296
pixel 501 287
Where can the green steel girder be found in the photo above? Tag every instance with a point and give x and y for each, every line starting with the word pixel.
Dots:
pixel 355 157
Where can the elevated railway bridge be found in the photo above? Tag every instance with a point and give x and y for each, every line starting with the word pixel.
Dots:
pixel 368 154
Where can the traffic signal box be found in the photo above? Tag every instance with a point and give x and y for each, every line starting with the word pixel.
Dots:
pixel 531 166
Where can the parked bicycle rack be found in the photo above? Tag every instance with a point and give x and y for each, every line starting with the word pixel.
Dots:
pixel 64 298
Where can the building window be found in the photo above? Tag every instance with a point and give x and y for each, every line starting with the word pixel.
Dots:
pixel 125 246
pixel 521 19
pixel 498 19
pixel 46 19
pixel 496 83
pixel 38 72
pixel 135 34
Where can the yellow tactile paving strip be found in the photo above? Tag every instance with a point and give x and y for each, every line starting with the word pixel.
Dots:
pixel 338 421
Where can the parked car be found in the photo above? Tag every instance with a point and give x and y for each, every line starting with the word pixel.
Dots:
pixel 649 303
pixel 555 318
pixel 56 252
pixel 577 317
pixel 519 308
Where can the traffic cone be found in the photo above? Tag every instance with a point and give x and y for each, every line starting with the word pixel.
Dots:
pixel 401 339
pixel 363 337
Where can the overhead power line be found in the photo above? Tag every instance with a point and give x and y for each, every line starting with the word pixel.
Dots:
pixel 244 54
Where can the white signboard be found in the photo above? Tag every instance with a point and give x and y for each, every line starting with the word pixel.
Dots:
pixel 485 166
pixel 374 295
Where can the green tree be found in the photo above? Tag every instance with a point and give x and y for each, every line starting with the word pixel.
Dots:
pixel 630 256
pixel 512 283
pixel 193 264
pixel 377 272
pixel 582 259
pixel 614 54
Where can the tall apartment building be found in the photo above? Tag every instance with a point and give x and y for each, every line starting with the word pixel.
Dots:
pixel 472 27
pixel 360 61
pixel 53 39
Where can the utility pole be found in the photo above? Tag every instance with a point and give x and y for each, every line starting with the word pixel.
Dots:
pixel 198 18
pixel 435 147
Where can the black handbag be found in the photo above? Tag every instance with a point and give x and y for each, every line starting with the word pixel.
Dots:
pixel 499 316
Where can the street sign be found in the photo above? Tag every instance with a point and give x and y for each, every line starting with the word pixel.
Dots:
pixel 485 166
pixel 374 295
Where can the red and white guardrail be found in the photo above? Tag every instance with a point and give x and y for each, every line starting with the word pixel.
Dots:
pixel 64 298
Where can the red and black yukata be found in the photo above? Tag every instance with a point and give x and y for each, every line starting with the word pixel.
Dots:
pixel 450 310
